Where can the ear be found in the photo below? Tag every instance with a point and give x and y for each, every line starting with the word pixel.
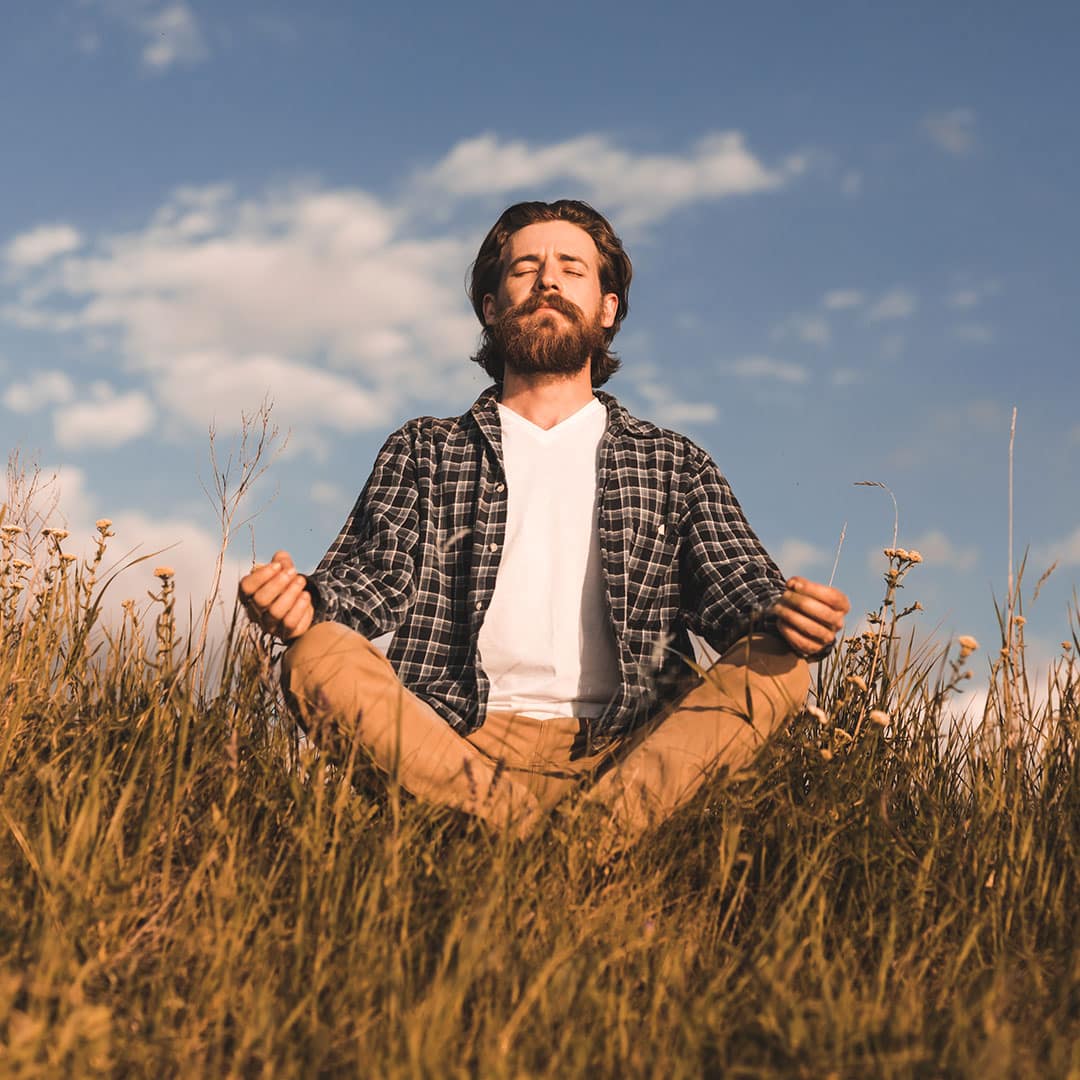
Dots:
pixel 489 308
pixel 609 308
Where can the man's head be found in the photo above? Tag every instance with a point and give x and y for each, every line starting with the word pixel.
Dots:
pixel 550 286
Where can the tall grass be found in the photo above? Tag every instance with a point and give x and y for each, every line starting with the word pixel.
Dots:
pixel 186 890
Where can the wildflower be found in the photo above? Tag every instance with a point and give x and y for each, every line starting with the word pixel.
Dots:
pixel 22 564
pixel 1019 620
pixel 857 681
pixel 163 572
pixel 1066 645
pixel 891 553
pixel 879 717
pixel 102 524
pixel 67 558
pixel 11 530
pixel 56 534
pixel 914 556
pixel 967 645
pixel 903 554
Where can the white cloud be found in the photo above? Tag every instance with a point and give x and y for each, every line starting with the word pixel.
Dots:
pixel 810 329
pixel 168 34
pixel 851 185
pixel 635 189
pixel 894 304
pixel 974 333
pixel 107 422
pixel 937 550
pixel 765 367
pixel 327 494
pixel 795 556
pixel 953 130
pixel 963 298
pixel 839 299
pixel 1065 552
pixel 339 304
pixel 173 36
pixel 41 244
pixel 44 388
pixel 665 410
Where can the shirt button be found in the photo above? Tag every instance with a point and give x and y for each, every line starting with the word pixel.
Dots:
pixel 493 547
pixel 479 605
pixel 500 487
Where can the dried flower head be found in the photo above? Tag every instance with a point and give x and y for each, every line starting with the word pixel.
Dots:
pixel 903 554
pixel 819 714
pixel 858 682
pixel 879 717
pixel 21 564
pixel 1066 645
pixel 67 558
pixel 914 556
pixel 102 524
pixel 164 572
pixel 1019 620
pixel 826 753
pixel 12 530
pixel 56 534
pixel 967 644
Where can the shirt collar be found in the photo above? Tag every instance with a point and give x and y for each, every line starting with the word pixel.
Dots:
pixel 485 411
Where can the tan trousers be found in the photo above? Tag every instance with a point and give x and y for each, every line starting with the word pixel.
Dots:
pixel 514 768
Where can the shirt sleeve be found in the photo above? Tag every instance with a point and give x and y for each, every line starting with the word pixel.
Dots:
pixel 729 583
pixel 367 578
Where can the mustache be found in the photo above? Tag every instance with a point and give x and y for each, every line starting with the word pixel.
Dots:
pixel 554 301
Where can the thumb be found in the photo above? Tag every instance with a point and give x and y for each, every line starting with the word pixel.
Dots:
pixel 284 559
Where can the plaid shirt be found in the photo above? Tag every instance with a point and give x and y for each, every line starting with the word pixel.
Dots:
pixel 419 554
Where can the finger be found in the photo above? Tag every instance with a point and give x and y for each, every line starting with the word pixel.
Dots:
pixel 269 592
pixel 824 594
pixel 801 644
pixel 298 619
pixel 808 628
pixel 813 609
pixel 286 598
pixel 285 559
pixel 259 576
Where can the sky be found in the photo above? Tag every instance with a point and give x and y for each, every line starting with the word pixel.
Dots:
pixel 853 228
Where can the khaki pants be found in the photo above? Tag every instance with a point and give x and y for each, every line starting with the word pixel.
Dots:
pixel 514 768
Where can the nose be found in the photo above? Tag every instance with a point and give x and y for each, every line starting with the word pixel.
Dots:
pixel 547 279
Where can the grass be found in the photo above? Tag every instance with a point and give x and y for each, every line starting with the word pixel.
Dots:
pixel 186 890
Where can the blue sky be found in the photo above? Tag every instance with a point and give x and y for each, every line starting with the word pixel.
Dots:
pixel 853 227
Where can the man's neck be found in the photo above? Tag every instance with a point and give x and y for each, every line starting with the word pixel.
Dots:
pixel 546 400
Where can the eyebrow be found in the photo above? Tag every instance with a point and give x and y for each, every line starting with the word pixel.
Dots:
pixel 563 258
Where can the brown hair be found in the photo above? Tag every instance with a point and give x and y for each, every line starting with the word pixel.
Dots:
pixel 615 274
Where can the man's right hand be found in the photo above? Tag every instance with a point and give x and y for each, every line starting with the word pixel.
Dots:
pixel 275 599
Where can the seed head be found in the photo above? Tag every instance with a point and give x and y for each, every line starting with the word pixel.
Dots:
pixel 879 717
pixel 11 530
pixel 903 554
pixel 22 564
pixel 1019 620
pixel 967 644
pixel 1066 645
pixel 914 556
pixel 819 714
pixel 857 681
pixel 102 524
pixel 163 572
pixel 56 534
pixel 67 558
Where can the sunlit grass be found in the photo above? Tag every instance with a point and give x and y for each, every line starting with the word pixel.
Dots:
pixel 186 890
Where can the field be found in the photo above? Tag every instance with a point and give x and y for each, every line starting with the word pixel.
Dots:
pixel 188 890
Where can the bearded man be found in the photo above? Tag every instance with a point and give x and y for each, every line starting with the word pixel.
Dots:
pixel 540 562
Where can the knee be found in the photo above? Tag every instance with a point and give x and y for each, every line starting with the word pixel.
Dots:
pixel 324 651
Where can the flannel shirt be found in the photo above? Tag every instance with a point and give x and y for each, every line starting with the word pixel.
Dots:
pixel 419 554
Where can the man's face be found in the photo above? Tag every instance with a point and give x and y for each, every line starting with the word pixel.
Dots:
pixel 549 313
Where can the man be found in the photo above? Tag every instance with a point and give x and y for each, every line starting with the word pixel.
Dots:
pixel 540 560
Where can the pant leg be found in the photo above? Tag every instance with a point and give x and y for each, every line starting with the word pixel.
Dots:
pixel 346 690
pixel 722 723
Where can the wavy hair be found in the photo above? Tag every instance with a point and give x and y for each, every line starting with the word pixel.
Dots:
pixel 616 271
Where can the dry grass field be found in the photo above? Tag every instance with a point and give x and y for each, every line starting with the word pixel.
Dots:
pixel 187 890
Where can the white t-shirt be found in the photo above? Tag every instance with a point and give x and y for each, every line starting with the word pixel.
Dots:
pixel 546 644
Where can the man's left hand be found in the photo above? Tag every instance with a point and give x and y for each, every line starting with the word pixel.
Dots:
pixel 809 615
